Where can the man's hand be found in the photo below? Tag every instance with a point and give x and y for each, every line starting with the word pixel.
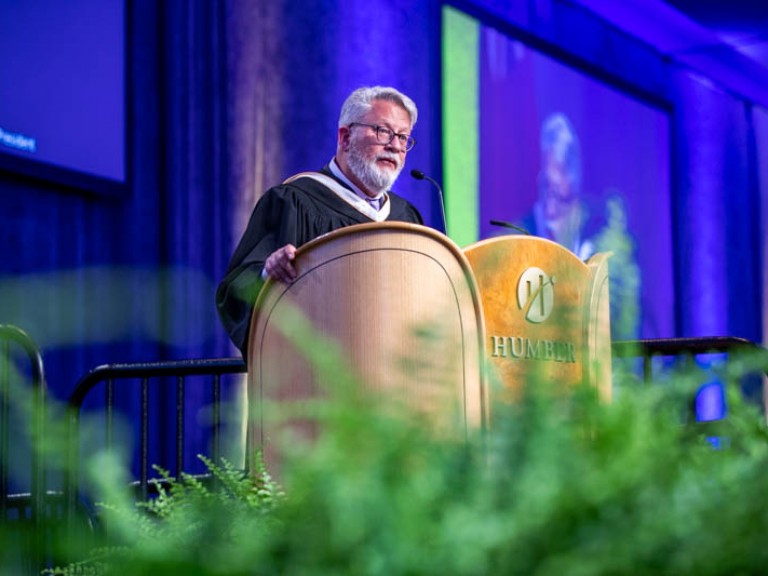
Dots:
pixel 279 264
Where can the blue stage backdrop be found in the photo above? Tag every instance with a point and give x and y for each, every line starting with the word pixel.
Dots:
pixel 760 119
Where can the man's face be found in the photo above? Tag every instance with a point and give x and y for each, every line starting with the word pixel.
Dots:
pixel 555 189
pixel 377 165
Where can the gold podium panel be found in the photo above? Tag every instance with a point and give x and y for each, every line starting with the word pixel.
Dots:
pixel 547 315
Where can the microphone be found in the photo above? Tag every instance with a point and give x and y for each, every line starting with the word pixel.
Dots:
pixel 419 175
pixel 508 225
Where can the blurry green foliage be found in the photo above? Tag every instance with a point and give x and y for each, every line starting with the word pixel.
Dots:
pixel 559 483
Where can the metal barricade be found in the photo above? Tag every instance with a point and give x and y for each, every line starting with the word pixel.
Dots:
pixel 682 347
pixel 707 406
pixel 23 511
pixel 16 380
pixel 119 376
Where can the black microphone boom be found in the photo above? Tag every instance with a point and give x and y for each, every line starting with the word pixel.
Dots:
pixel 509 225
pixel 419 175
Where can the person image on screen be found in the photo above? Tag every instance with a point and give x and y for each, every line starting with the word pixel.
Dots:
pixel 559 213
pixel 373 139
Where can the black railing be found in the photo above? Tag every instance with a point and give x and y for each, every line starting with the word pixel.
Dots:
pixel 17 380
pixel 123 375
pixel 683 347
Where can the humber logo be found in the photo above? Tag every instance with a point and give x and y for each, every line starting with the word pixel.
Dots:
pixel 535 294
pixel 536 298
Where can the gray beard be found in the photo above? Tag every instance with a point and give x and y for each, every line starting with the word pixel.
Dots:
pixel 373 177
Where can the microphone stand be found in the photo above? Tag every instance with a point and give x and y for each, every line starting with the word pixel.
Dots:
pixel 419 175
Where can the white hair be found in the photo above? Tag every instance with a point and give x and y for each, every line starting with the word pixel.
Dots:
pixel 559 139
pixel 360 102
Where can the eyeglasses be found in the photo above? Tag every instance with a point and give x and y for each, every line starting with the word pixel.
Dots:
pixel 385 135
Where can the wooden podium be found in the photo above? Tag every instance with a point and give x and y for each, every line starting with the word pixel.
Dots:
pixel 547 313
pixel 400 302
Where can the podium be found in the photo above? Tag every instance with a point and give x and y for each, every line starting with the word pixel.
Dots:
pixel 547 314
pixel 418 319
pixel 399 302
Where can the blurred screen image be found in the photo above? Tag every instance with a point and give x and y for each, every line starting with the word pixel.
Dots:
pixel 62 88
pixel 572 159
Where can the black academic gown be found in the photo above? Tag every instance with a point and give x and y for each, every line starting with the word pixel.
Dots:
pixel 292 213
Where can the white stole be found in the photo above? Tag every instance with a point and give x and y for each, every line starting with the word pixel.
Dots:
pixel 347 195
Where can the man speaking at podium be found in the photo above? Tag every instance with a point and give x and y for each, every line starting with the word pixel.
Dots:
pixel 374 136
